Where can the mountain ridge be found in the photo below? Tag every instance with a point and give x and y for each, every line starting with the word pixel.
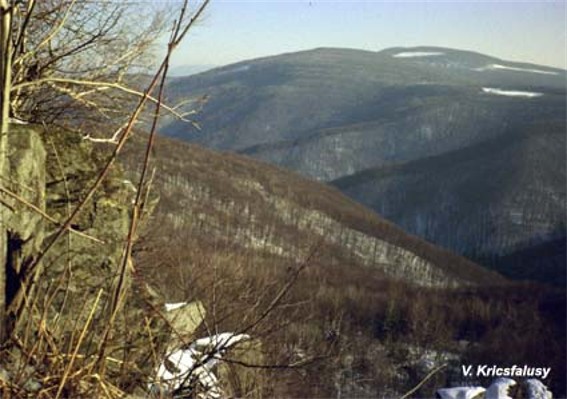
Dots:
pixel 333 113
pixel 386 51
pixel 199 184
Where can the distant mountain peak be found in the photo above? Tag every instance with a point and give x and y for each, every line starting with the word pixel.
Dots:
pixel 482 62
pixel 400 122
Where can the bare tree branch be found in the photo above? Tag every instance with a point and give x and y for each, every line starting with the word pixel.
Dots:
pixel 101 85
pixel 45 215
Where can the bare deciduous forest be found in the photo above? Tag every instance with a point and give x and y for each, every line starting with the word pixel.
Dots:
pixel 139 266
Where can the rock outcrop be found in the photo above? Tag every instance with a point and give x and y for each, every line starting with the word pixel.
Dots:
pixel 71 168
pixel 22 228
pixel 59 290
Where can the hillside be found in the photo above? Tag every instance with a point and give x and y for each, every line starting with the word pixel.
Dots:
pixel 352 117
pixel 520 207
pixel 235 200
pixel 335 300
pixel 377 306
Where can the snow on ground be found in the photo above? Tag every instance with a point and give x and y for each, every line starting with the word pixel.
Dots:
pixel 195 365
pixel 411 54
pixel 500 389
pixel 511 93
pixel 460 392
pixel 492 67
pixel 219 341
pixel 537 390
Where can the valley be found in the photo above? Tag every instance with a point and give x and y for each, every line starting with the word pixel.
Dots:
pixel 430 138
pixel 382 307
pixel 265 199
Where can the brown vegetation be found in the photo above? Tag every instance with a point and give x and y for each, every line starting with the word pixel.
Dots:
pixel 322 321
pixel 191 179
pixel 358 329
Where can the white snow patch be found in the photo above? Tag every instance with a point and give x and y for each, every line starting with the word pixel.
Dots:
pixel 500 389
pixel 460 392
pixel 219 341
pixel 173 306
pixel 492 67
pixel 242 68
pixel 412 54
pixel 511 93
pixel 195 365
pixel 537 390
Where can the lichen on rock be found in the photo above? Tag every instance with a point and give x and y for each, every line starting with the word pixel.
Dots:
pixel 48 174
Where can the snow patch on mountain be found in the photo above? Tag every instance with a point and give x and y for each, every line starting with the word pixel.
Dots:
pixel 412 54
pixel 241 68
pixel 493 67
pixel 511 93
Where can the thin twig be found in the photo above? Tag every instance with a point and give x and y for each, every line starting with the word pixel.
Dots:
pixel 423 381
pixel 10 207
pixel 110 85
pixel 295 365
pixel 78 346
pixel 283 291
pixel 46 216
pixel 30 277
pixel 126 259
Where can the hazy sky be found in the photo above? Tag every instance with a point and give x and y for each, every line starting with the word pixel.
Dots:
pixel 235 30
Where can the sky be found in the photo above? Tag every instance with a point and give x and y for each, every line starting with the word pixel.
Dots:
pixel 236 30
